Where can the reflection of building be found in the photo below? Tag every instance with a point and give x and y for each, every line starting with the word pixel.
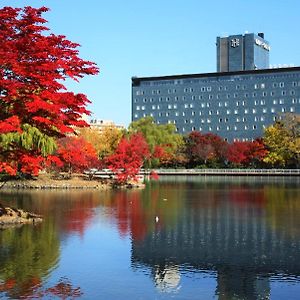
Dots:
pixel 103 124
pixel 167 279
pixel 237 102
pixel 233 238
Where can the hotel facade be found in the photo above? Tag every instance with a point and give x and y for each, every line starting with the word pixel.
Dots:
pixel 237 102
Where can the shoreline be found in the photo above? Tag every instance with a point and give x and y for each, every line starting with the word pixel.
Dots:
pixel 76 182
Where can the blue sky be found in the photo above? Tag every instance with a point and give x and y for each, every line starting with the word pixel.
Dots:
pixel 161 37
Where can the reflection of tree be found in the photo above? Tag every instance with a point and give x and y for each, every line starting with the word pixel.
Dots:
pixel 283 210
pixel 63 290
pixel 135 211
pixel 72 210
pixel 27 254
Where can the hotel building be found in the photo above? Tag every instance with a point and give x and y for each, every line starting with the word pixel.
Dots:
pixel 237 102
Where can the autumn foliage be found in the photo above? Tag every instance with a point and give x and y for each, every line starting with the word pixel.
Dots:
pixel 129 157
pixel 76 154
pixel 33 98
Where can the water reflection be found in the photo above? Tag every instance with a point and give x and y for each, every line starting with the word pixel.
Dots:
pixel 242 233
pixel 27 254
pixel 245 234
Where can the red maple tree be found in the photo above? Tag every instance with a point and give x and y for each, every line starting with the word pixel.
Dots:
pixel 246 153
pixel 201 148
pixel 33 66
pixel 129 157
pixel 76 154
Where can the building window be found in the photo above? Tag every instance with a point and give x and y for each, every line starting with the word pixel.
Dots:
pixel 138 108
pixel 272 110
pixel 254 110
pixel 274 101
pixel 292 109
pixel 136 115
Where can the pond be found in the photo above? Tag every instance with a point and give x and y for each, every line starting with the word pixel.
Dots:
pixel 179 238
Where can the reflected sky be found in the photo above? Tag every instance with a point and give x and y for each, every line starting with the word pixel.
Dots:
pixel 180 238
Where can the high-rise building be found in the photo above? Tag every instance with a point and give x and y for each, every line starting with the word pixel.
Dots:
pixel 237 103
pixel 242 52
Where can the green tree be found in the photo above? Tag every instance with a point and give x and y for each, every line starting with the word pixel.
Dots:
pixel 162 136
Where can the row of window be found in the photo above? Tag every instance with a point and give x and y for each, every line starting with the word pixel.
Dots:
pixel 227 111
pixel 218 128
pixel 220 120
pixel 256 86
pixel 210 97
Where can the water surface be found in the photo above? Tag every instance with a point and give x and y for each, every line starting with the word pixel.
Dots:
pixel 180 238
